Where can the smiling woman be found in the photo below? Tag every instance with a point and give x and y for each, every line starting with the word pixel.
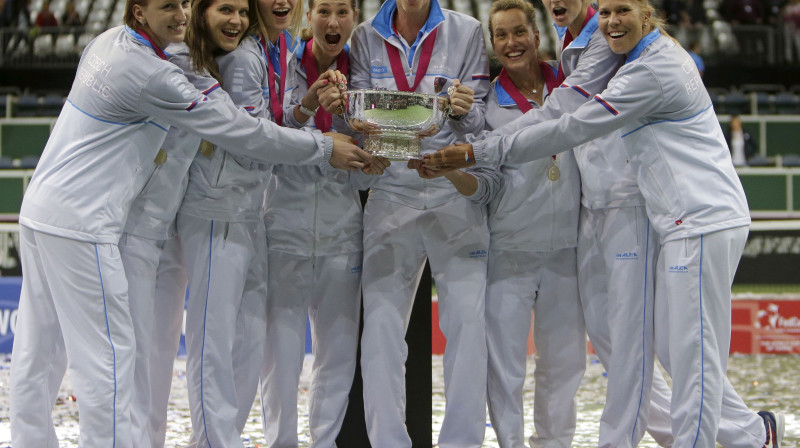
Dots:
pixel 217 27
pixel 164 21
pixel 625 25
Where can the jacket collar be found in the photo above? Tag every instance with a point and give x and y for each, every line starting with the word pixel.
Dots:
pixel 585 35
pixel 644 43
pixel 383 20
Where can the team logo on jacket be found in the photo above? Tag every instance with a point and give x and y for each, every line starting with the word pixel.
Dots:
pixel 379 69
pixel 355 269
pixel 627 256
pixel 438 83
pixel 678 269
pixel 480 253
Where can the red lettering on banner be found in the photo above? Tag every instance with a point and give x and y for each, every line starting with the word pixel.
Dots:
pixel 766 326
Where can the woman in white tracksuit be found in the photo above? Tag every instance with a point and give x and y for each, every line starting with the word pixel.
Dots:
pixel 224 242
pixel 150 251
pixel 616 245
pixel 74 301
pixel 695 203
pixel 314 231
pixel 615 291
pixel 533 217
pixel 408 219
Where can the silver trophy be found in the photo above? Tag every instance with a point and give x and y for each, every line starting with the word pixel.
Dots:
pixel 394 123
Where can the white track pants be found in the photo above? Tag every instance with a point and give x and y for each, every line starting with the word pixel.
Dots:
pixel 546 283
pixel 326 289
pixel 617 249
pixel 397 239
pixel 157 288
pixel 693 300
pixel 225 325
pixel 74 299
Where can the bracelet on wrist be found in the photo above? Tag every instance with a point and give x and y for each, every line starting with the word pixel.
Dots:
pixel 306 111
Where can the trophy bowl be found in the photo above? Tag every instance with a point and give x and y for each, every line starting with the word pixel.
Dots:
pixel 394 123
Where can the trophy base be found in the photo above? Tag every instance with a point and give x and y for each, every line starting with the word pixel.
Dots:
pixel 393 146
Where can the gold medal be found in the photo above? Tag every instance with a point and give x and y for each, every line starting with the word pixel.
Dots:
pixel 553 173
pixel 161 157
pixel 206 148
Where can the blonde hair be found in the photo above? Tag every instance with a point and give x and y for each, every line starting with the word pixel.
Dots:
pixel 306 34
pixel 655 20
pixel 259 27
pixel 507 5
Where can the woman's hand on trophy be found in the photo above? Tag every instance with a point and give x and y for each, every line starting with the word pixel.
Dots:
pixel 328 89
pixel 376 165
pixel 461 98
pixel 453 156
pixel 346 155
pixel 431 131
pixel 336 78
pixel 363 127
pixel 331 99
pixel 428 173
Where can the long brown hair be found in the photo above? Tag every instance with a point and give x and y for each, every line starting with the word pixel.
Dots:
pixel 202 50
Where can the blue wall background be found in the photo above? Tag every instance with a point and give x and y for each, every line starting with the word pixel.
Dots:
pixel 9 300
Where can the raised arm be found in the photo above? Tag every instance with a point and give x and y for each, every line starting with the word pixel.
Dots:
pixel 474 75
pixel 170 97
pixel 596 66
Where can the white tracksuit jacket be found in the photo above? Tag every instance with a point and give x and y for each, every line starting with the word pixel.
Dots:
pixel 311 212
pixel 530 212
pixel 226 186
pixel 153 212
pixel 408 219
pixel 125 97
pixel 96 161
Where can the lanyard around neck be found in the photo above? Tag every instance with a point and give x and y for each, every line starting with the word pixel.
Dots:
pixel 322 119
pixel 550 80
pixel 159 52
pixel 397 65
pixel 519 99
pixel 276 98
